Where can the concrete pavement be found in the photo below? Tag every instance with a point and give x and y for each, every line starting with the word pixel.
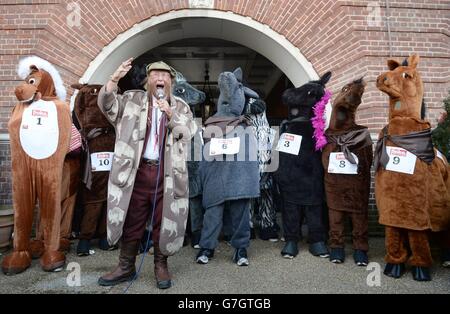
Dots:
pixel 268 273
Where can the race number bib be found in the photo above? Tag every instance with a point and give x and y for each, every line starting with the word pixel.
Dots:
pixel 400 160
pixel 39 131
pixel 101 161
pixel 340 165
pixel 289 143
pixel 229 146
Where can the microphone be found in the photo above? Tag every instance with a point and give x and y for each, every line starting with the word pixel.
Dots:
pixel 160 94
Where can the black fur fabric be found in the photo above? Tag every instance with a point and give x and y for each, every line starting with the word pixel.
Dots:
pixel 300 178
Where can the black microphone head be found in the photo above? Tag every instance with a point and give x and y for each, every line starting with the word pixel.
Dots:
pixel 160 94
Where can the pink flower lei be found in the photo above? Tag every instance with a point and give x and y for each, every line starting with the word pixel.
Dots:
pixel 319 121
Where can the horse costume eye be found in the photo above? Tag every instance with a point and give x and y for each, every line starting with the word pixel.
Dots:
pixel 31 81
pixel 405 75
pixel 181 90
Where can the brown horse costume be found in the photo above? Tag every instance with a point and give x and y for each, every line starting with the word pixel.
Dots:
pixel 98 137
pixel 410 205
pixel 37 170
pixel 348 194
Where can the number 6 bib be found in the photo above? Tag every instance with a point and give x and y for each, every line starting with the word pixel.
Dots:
pixel 39 131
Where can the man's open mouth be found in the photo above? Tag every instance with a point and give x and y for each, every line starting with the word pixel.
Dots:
pixel 158 86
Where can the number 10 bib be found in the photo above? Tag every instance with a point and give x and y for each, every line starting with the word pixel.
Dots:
pixel 39 131
pixel 101 161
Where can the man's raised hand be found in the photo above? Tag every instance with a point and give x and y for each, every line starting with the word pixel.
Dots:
pixel 122 70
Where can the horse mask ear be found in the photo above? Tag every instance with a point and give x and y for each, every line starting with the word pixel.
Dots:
pixel 413 61
pixel 249 93
pixel 393 64
pixel 78 86
pixel 238 74
pixel 325 78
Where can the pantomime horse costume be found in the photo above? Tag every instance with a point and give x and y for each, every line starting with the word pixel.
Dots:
pixel 412 181
pixel 40 133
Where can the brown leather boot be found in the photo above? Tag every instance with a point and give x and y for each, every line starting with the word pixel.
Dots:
pixel 162 275
pixel 126 270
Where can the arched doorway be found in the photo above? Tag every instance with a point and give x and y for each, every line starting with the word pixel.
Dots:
pixel 186 24
pixel 201 60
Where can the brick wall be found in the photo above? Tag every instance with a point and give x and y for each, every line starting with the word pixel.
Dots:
pixel 332 34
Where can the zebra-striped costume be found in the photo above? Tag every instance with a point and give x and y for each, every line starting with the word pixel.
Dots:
pixel 263 212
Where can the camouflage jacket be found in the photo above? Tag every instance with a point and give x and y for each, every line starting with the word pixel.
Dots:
pixel 128 113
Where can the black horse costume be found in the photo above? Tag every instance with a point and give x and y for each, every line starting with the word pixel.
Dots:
pixel 300 173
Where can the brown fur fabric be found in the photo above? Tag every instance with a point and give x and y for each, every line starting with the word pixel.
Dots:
pixel 399 242
pixel 94 200
pixel 348 193
pixel 410 205
pixel 37 179
pixel 420 201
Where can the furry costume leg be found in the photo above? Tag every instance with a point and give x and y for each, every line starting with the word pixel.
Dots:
pixel 291 221
pixel 360 232
pixel 336 228
pixel 24 196
pixel 91 218
pixel 50 190
pixel 420 249
pixel 314 220
pixel 396 251
pixel 266 209
pixel 69 185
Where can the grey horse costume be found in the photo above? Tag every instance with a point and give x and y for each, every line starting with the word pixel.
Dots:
pixel 228 180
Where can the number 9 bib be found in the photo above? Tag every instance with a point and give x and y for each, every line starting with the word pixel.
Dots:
pixel 39 131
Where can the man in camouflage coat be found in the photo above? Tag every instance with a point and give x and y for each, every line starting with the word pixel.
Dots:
pixel 147 178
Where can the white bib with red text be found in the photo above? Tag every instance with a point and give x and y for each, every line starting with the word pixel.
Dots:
pixel 400 160
pixel 39 131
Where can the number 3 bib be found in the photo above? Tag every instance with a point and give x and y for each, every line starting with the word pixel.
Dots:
pixel 289 143
pixel 39 131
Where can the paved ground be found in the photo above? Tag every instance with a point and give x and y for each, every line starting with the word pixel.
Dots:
pixel 267 273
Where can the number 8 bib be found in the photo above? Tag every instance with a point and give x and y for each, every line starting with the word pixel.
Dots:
pixel 39 131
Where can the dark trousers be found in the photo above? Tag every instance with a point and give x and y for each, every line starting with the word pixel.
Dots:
pixel 240 224
pixel 141 204
pixel 360 227
pixel 93 221
pixel 292 215
pixel 196 213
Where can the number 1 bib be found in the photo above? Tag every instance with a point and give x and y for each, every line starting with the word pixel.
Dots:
pixel 400 160
pixel 39 131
